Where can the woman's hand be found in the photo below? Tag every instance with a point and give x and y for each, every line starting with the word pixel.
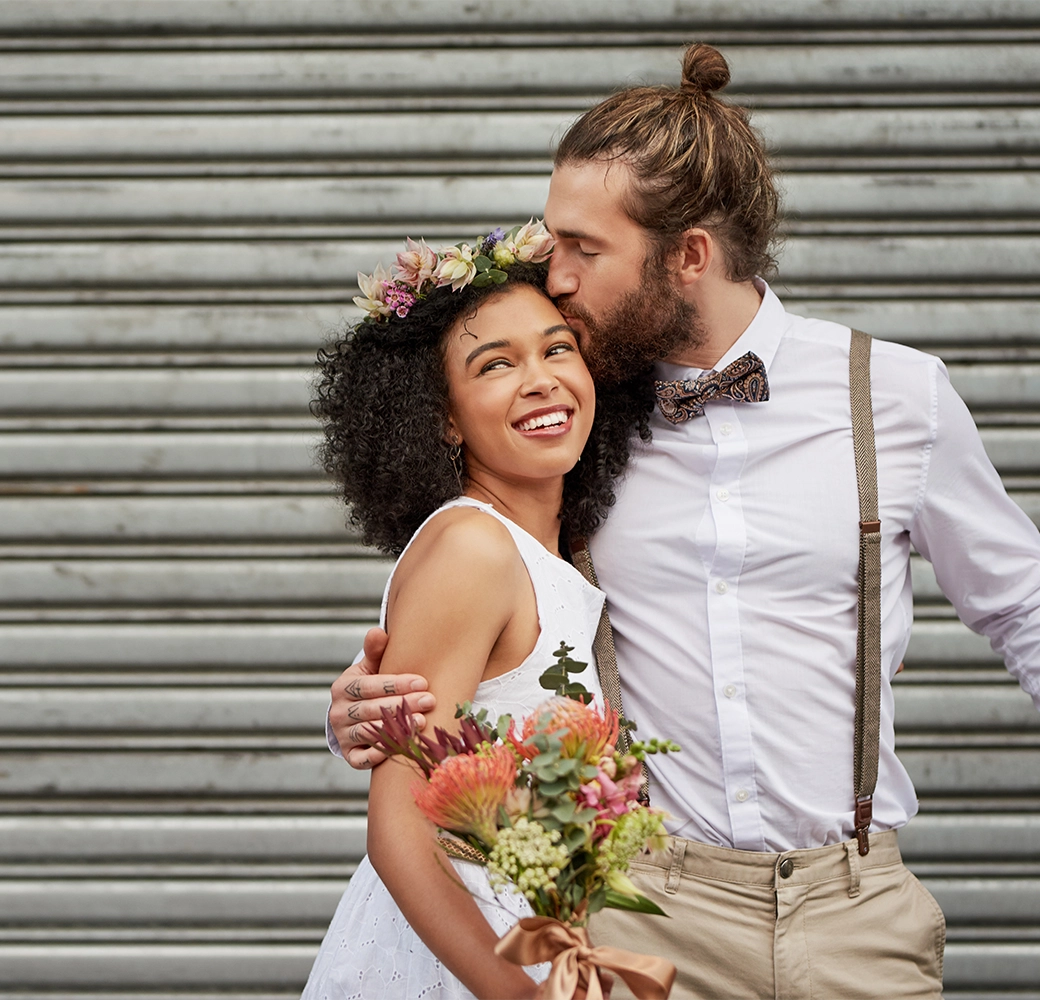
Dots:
pixel 360 694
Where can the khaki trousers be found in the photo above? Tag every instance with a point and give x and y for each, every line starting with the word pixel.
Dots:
pixel 822 924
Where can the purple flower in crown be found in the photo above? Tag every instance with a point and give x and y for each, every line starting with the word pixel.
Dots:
pixel 488 243
pixel 398 297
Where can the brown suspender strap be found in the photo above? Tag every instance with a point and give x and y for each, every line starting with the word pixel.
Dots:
pixel 606 657
pixel 868 626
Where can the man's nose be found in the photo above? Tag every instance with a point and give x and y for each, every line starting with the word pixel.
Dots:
pixel 562 280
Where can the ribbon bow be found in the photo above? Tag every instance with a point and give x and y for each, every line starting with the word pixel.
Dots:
pixel 744 381
pixel 575 960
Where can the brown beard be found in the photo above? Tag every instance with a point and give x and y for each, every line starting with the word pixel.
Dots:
pixel 646 325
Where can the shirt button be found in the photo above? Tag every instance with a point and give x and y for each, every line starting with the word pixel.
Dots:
pixel 742 795
pixel 722 586
pixel 723 495
pixel 726 429
pixel 730 691
pixel 786 867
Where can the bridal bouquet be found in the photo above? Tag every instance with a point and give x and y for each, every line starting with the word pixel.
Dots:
pixel 551 806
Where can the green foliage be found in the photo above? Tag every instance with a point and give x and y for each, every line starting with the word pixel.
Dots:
pixel 637 904
pixel 557 677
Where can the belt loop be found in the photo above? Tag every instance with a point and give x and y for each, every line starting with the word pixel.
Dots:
pixel 671 886
pixel 852 851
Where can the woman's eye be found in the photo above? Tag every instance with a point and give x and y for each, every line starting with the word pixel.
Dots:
pixel 559 349
pixel 493 365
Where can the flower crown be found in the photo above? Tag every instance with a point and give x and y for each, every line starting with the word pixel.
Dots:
pixel 419 269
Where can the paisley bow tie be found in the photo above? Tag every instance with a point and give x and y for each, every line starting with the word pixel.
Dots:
pixel 744 381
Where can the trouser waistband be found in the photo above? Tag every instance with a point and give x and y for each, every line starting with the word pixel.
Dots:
pixel 688 857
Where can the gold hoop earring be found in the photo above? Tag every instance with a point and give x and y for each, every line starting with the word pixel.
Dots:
pixel 457 463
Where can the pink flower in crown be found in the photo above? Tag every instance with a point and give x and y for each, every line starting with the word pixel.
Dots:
pixel 399 297
pixel 532 243
pixel 373 292
pixel 456 268
pixel 415 266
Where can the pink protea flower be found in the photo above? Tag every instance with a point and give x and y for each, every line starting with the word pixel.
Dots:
pixel 373 291
pixel 464 793
pixel 590 734
pixel 415 266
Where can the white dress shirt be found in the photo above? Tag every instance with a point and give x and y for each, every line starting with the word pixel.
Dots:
pixel 730 564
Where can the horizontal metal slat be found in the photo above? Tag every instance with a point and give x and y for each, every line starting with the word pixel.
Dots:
pixel 974 836
pixel 489 134
pixel 194 581
pixel 334 263
pixel 286 646
pixel 156 390
pixel 264 965
pixel 954 708
pixel 116 710
pixel 986 964
pixel 199 774
pixel 500 70
pixel 949 644
pixel 372 16
pixel 301 200
pixel 182 838
pixel 974 771
pixel 975 901
pixel 172 519
pixel 210 902
pixel 171 327
pixel 986 322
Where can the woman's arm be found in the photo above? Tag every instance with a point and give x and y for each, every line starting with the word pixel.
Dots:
pixel 455 595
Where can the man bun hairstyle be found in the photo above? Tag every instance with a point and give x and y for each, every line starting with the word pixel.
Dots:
pixel 696 161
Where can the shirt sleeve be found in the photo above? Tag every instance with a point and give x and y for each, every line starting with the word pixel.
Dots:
pixel 985 550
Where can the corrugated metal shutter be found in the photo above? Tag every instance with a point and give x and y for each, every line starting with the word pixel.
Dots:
pixel 186 191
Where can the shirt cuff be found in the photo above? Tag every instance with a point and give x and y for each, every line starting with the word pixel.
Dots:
pixel 330 736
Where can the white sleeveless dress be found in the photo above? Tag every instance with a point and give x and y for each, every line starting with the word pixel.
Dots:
pixel 370 952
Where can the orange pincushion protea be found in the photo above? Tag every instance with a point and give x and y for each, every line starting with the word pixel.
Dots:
pixel 584 725
pixel 464 793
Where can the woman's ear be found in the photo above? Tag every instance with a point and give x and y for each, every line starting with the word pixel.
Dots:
pixel 451 434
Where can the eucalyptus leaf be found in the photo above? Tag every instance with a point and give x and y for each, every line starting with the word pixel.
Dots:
pixel 483 263
pixel 598 900
pixel 482 280
pixel 498 277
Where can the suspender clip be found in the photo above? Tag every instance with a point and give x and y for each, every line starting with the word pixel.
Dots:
pixel 864 814
pixel 869 527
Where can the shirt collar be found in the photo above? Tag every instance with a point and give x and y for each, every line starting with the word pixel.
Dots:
pixel 762 337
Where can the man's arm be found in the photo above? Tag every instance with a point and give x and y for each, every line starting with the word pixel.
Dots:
pixel 360 694
pixel 985 550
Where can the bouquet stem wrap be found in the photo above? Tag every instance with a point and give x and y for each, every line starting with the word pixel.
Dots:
pixel 574 961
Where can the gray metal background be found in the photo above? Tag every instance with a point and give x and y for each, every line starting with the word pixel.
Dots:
pixel 186 192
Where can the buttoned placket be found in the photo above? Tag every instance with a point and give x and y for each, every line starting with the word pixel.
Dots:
pixel 723 555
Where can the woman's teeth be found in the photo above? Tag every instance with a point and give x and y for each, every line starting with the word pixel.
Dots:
pixel 545 420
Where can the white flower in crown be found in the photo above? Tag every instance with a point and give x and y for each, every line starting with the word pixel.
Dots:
pixel 456 268
pixel 415 266
pixel 532 243
pixel 373 289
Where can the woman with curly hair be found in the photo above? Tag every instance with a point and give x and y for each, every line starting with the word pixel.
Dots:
pixel 458 421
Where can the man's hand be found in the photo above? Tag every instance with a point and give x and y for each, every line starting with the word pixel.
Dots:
pixel 359 695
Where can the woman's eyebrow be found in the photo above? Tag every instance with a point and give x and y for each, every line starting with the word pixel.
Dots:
pixel 556 328
pixel 491 345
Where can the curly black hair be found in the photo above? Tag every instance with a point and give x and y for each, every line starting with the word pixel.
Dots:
pixel 382 397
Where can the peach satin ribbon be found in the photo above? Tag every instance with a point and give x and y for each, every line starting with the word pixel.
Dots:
pixel 574 961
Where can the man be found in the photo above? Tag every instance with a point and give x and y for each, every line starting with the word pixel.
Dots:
pixel 731 560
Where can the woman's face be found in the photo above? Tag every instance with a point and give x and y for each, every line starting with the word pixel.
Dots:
pixel 521 399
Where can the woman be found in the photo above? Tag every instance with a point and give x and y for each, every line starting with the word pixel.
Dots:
pixel 456 417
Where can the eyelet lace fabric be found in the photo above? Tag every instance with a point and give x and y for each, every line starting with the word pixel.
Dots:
pixel 370 951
